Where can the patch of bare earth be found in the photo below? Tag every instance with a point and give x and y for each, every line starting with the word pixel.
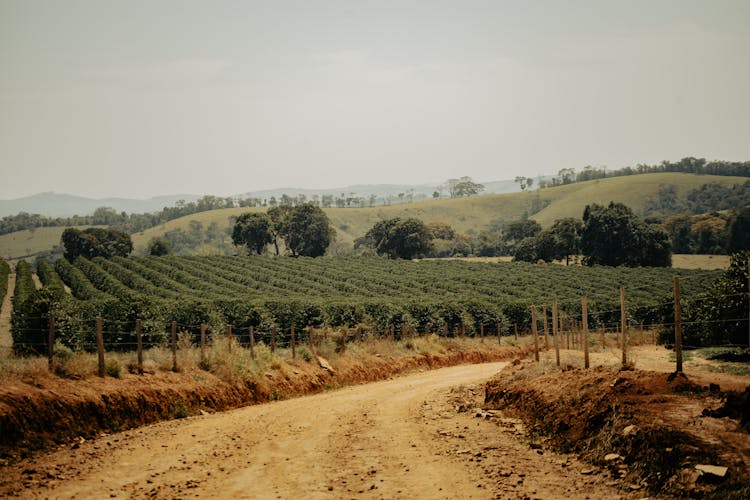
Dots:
pixel 652 431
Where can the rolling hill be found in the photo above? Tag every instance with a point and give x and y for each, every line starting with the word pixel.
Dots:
pixel 476 213
pixel 466 215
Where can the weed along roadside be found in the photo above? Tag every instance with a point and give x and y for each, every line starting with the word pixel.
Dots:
pixel 39 409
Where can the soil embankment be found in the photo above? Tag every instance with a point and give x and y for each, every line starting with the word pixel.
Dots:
pixel 652 430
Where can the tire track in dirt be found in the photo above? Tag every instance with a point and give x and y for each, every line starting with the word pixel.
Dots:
pixel 400 438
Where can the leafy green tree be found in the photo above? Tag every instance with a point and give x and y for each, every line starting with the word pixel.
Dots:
pixel 739 231
pixel 721 317
pixel 567 238
pixel 400 239
pixel 526 250
pixel 463 186
pixel 254 230
pixel 96 242
pixel 614 236
pixel 278 215
pixel 520 229
pixel 159 247
pixel 306 230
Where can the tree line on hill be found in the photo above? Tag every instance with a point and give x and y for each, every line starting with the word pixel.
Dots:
pixel 688 165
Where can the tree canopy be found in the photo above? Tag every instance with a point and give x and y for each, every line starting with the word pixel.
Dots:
pixel 399 239
pixel 306 230
pixel 96 242
pixel 614 236
pixel 463 186
pixel 254 230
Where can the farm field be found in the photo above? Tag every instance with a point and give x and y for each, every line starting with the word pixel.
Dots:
pixel 373 294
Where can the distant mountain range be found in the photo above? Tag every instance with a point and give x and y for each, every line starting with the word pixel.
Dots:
pixel 65 205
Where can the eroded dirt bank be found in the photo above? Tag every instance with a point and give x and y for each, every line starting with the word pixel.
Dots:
pixel 649 429
pixel 35 414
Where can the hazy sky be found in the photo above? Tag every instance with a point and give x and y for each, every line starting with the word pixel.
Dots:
pixel 138 98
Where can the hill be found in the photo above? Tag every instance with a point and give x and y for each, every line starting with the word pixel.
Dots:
pixel 28 243
pixel 476 213
pixel 66 205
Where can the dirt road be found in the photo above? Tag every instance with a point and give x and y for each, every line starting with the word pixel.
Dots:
pixel 401 438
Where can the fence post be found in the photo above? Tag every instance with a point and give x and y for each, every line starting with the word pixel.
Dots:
pixel 677 324
pixel 585 333
pixel 544 328
pixel 203 343
pixel 481 330
pixel 624 334
pixel 174 346
pixel 748 302
pixel 100 344
pixel 51 341
pixel 139 344
pixel 555 337
pixel 273 338
pixel 515 330
pixel 311 339
pixel 533 332
pixel 252 342
pixel 294 352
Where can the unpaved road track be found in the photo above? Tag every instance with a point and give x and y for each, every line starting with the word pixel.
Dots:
pixel 6 339
pixel 401 438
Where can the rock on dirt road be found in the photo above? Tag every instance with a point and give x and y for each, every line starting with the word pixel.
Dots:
pixel 409 437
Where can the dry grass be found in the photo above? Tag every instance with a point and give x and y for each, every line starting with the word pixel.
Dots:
pixel 230 361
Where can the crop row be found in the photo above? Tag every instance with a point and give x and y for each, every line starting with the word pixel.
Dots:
pixel 376 294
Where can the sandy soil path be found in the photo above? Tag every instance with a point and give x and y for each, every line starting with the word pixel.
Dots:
pixel 6 339
pixel 401 438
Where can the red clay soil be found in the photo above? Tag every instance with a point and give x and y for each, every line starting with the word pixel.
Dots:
pixel 678 423
pixel 36 414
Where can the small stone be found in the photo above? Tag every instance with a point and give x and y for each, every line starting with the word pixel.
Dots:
pixel 609 457
pixel 630 430
pixel 713 470
pixel 587 472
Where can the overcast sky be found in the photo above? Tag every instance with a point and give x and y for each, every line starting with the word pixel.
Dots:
pixel 139 98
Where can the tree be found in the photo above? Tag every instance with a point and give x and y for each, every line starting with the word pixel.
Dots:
pixel 522 181
pixel 306 230
pixel 95 242
pixel 399 239
pixel 520 229
pixel 739 231
pixel 463 186
pixel 254 230
pixel 567 238
pixel 614 236
pixel 442 231
pixel 159 246
pixel 526 250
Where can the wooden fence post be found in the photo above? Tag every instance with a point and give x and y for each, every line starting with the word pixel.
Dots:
pixel 203 343
pixel 273 338
pixel 544 328
pixel 311 339
pixel 585 333
pixel 533 332
pixel 677 325
pixel 481 330
pixel 555 337
pixel 294 349
pixel 252 342
pixel 100 344
pixel 174 346
pixel 515 330
pixel 51 341
pixel 139 344
pixel 624 327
